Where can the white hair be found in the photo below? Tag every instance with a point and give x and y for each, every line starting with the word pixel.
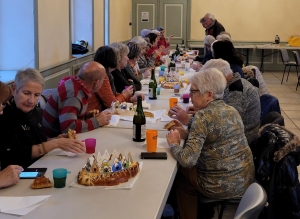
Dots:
pixel 156 32
pixel 28 75
pixel 220 64
pixel 211 46
pixel 210 80
pixel 211 16
pixel 139 40
pixel 208 40
pixel 223 37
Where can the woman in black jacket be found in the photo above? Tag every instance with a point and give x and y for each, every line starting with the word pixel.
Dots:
pixel 121 76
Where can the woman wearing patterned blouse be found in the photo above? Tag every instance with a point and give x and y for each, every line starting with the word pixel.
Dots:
pixel 215 159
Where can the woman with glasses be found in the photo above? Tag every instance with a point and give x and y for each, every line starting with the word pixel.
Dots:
pixel 22 138
pixel 215 160
pixel 9 175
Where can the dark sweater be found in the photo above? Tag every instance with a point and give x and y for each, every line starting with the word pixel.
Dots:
pixel 18 133
pixel 121 80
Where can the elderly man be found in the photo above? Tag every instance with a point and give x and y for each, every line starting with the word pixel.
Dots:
pixel 211 25
pixel 239 93
pixel 66 108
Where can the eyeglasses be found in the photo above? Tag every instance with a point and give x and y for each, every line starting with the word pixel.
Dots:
pixel 2 106
pixel 192 92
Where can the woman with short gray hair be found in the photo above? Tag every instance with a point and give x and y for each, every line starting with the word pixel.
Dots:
pixel 144 63
pixel 123 77
pixel 22 138
pixel 215 160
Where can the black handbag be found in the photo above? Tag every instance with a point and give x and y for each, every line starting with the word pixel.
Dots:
pixel 78 49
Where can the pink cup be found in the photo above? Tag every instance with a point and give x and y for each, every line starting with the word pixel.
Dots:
pixel 90 145
pixel 186 98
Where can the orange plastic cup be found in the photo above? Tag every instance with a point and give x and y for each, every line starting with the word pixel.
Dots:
pixel 151 140
pixel 173 102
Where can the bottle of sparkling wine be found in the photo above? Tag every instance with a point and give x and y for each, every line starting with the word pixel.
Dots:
pixel 139 122
pixel 152 86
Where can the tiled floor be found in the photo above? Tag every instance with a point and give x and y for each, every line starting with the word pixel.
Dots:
pixel 289 100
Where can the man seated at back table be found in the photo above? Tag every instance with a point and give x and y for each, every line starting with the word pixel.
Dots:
pixel 66 107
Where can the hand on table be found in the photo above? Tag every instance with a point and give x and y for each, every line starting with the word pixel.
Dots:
pixel 173 137
pixel 128 92
pixel 67 144
pixel 180 114
pixel 134 98
pixel 147 73
pixel 180 129
pixel 103 118
pixel 196 66
pixel 10 175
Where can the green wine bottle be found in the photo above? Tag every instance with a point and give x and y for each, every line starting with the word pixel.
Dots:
pixel 139 122
pixel 152 86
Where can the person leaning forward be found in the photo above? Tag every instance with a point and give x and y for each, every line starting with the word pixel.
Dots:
pixel 211 25
pixel 215 159
pixel 67 106
pixel 22 138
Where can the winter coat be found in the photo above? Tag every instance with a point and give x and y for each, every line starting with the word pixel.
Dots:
pixel 276 155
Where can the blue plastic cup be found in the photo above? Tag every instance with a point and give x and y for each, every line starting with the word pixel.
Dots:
pixel 161 73
pixel 59 177
pixel 158 90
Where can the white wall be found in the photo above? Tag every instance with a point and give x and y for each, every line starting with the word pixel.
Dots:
pixel 53 32
pixel 82 21
pixel 16 34
pixel 246 20
pixel 98 24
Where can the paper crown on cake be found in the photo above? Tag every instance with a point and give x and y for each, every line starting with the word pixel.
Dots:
pixel 106 163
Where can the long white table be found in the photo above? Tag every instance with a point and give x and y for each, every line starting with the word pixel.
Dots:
pixel 145 200
pixel 237 46
pixel 275 47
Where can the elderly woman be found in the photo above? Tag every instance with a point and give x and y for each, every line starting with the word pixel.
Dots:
pixel 215 159
pixel 121 76
pixel 102 99
pixel 9 175
pixel 162 40
pixel 22 138
pixel 153 40
pixel 208 40
pixel 239 93
pixel 144 63
pixel 135 51
pixel 226 51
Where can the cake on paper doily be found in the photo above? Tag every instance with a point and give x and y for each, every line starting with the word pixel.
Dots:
pixel 108 170
pixel 122 109
pixel 171 79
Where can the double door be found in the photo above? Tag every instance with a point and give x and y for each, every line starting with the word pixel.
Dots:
pixel 169 14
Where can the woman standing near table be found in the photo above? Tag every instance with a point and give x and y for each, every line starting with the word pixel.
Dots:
pixel 9 175
pixel 22 138
pixel 215 159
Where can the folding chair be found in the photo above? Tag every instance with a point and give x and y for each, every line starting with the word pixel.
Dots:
pixel 297 60
pixel 252 203
pixel 286 61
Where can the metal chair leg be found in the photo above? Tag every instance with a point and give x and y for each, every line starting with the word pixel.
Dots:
pixel 298 83
pixel 283 74
pixel 288 74
pixel 222 210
